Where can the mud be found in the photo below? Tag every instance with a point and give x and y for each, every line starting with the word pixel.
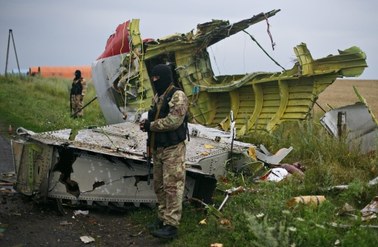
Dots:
pixel 24 222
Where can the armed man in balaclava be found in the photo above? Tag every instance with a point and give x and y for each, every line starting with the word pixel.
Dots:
pixel 167 129
pixel 78 90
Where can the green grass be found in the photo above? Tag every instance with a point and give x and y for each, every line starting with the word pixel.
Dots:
pixel 43 104
pixel 258 217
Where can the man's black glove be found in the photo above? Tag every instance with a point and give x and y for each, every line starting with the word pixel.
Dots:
pixel 151 115
pixel 145 125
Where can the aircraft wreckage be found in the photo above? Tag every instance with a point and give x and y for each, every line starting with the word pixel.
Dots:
pixel 108 165
pixel 259 100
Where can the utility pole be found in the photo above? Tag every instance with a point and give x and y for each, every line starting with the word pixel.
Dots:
pixel 10 35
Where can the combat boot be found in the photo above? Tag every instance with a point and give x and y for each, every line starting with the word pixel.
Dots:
pixel 166 232
pixel 157 224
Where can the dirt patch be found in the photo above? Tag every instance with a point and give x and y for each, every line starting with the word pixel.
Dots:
pixel 24 222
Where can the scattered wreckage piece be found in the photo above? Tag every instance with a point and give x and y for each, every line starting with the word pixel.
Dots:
pixel 371 183
pixel 275 174
pixel 260 101
pixel 368 213
pixel 279 172
pixel 356 123
pixel 273 159
pixel 108 164
pixel 230 192
pixel 314 200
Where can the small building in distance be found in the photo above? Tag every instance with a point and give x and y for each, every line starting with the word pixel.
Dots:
pixel 60 71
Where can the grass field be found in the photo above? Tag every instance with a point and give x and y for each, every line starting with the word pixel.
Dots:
pixel 341 93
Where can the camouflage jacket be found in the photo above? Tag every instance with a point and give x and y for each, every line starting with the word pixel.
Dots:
pixel 178 107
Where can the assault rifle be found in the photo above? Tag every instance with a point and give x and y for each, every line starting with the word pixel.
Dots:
pixel 149 155
pixel 76 112
pixel 70 103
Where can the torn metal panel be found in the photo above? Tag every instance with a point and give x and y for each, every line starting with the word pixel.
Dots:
pixel 123 181
pixel 32 162
pixel 357 125
pixel 108 164
pixel 274 159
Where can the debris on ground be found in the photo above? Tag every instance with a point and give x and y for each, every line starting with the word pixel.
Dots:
pixel 87 239
pixel 370 211
pixel 314 200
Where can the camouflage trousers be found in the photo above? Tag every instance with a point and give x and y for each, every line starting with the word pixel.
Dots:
pixel 76 104
pixel 169 182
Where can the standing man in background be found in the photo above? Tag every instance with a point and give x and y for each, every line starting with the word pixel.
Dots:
pixel 167 130
pixel 78 91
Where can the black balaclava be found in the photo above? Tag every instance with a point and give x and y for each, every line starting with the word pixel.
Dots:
pixel 165 78
pixel 77 74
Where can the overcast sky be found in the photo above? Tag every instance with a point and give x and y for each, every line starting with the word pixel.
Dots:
pixel 74 32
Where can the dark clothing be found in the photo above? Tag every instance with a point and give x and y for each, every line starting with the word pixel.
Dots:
pixel 77 95
pixel 167 138
pixel 77 87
